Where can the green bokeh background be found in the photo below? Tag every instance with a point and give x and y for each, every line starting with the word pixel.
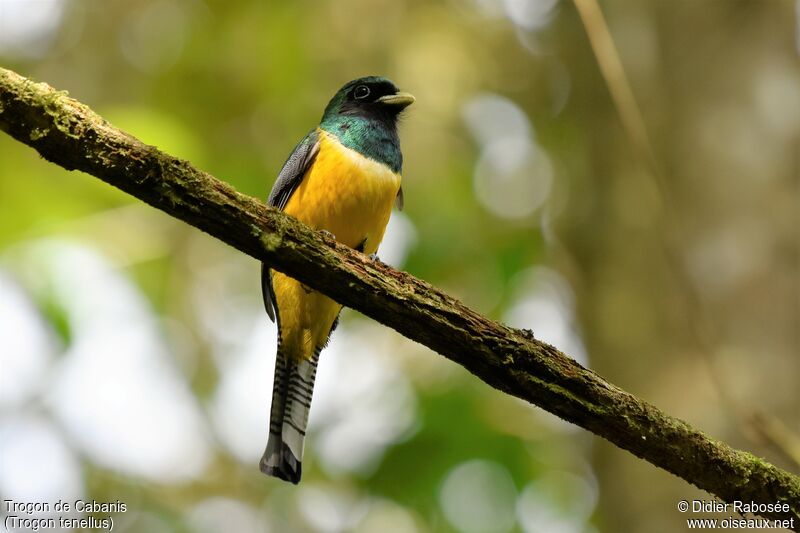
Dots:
pixel 684 294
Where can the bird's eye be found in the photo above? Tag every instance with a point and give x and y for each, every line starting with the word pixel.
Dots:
pixel 361 92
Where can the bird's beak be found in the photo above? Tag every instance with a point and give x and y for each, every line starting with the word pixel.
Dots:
pixel 399 99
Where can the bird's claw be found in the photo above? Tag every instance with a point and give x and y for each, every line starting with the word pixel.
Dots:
pixel 327 234
pixel 374 257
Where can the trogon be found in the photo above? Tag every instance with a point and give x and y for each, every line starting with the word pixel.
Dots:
pixel 342 178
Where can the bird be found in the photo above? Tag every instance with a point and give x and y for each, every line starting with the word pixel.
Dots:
pixel 343 179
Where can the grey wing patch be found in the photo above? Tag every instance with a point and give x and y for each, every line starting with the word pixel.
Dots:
pixel 289 179
pixel 267 293
pixel 399 202
pixel 293 170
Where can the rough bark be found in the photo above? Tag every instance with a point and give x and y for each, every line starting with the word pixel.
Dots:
pixel 71 135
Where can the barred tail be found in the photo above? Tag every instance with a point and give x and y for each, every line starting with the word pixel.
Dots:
pixel 291 400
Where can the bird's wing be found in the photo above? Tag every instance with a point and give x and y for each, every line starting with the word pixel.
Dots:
pixel 399 201
pixel 293 170
pixel 290 177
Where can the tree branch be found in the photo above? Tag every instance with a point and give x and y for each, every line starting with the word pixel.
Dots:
pixel 71 135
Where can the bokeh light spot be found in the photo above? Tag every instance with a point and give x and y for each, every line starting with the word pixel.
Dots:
pixel 478 497
pixel 28 27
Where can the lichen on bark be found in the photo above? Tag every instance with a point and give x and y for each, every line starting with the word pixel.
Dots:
pixel 71 135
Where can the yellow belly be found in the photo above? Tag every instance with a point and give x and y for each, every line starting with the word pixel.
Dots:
pixel 350 196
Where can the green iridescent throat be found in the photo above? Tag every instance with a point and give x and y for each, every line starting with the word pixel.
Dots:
pixel 369 137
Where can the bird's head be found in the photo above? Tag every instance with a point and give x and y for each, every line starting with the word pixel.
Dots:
pixel 370 98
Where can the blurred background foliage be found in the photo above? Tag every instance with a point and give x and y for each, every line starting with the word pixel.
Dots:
pixel 136 356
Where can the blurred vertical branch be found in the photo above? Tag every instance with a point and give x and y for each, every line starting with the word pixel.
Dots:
pixel 70 134
pixel 774 431
pixel 766 427
pixel 614 73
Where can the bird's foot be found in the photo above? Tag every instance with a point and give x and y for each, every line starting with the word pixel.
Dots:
pixel 328 234
pixel 375 258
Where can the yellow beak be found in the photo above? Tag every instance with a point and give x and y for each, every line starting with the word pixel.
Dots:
pixel 401 99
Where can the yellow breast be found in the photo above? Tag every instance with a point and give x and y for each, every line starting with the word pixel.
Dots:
pixel 350 196
pixel 346 194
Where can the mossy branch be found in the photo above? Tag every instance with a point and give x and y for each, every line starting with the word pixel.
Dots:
pixel 71 135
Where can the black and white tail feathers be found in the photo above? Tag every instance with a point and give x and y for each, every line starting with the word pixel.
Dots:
pixel 291 400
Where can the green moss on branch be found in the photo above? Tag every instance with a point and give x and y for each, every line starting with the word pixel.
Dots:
pixel 71 135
